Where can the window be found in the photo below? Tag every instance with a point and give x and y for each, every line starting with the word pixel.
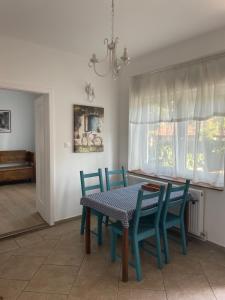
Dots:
pixel 177 125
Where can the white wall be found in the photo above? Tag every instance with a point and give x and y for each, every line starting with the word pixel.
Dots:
pixel 21 105
pixel 187 50
pixel 23 63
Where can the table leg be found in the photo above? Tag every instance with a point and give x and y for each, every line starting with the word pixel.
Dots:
pixel 125 248
pixel 88 231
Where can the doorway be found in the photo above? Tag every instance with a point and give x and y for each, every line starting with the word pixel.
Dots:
pixel 26 176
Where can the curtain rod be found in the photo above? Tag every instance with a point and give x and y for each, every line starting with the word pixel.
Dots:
pixel 184 63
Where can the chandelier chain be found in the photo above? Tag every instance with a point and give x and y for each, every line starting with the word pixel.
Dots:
pixel 113 14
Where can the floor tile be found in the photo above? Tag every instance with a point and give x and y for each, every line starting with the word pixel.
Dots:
pixel 29 239
pixel 198 250
pixel 191 295
pixel 71 242
pixel 151 276
pixel 62 258
pixel 8 245
pixel 67 227
pixel 183 262
pixel 132 294
pixel 216 256
pixel 219 292
pixel 187 286
pixel 42 249
pixel 3 259
pixel 11 289
pixel 215 273
pixel 101 291
pixel 21 267
pixel 51 233
pixel 97 279
pixel 40 296
pixel 53 279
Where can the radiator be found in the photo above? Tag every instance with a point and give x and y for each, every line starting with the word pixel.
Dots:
pixel 196 214
pixel 196 207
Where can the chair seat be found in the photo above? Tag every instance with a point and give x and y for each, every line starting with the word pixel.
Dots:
pixel 144 229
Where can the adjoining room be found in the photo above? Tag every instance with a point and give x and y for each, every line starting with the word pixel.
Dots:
pixel 18 212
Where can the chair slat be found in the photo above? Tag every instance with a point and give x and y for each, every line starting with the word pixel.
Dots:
pixel 149 211
pixel 175 203
pixel 150 196
pixel 178 189
pixel 117 183
pixel 91 175
pixel 115 172
pixel 92 187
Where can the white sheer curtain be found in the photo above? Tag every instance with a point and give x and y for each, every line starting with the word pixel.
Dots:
pixel 177 124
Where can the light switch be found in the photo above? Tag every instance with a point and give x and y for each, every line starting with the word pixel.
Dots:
pixel 67 144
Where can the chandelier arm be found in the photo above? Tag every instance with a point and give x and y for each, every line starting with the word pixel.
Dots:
pixel 100 74
pixel 106 42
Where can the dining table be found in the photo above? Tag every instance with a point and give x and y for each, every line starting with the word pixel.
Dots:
pixel 119 205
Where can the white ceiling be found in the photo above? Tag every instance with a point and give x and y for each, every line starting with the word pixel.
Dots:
pixel 81 25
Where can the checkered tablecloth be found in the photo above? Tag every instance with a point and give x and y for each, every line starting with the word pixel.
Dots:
pixel 119 204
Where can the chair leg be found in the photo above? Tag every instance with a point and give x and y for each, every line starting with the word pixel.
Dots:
pixel 106 221
pixel 132 249
pixel 183 238
pixel 166 247
pixel 83 220
pixel 99 236
pixel 137 260
pixel 113 246
pixel 158 249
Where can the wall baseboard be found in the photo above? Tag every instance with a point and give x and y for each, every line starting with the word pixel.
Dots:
pixel 14 234
pixel 67 220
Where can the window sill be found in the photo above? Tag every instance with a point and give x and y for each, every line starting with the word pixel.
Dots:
pixel 173 180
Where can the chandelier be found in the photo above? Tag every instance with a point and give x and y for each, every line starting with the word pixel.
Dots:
pixel 114 63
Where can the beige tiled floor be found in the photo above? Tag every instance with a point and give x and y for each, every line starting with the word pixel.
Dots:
pixel 18 208
pixel 51 265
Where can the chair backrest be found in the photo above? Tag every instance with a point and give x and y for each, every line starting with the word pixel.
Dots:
pixel 85 188
pixel 144 209
pixel 122 182
pixel 172 201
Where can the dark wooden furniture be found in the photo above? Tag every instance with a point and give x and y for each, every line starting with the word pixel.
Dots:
pixel 17 165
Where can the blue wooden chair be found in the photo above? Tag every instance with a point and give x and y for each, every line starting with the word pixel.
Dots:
pixel 169 219
pixel 140 231
pixel 122 182
pixel 85 189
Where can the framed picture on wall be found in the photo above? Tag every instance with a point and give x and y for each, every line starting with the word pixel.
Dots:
pixel 5 121
pixel 88 128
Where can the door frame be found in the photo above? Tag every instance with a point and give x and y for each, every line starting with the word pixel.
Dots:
pixel 49 92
